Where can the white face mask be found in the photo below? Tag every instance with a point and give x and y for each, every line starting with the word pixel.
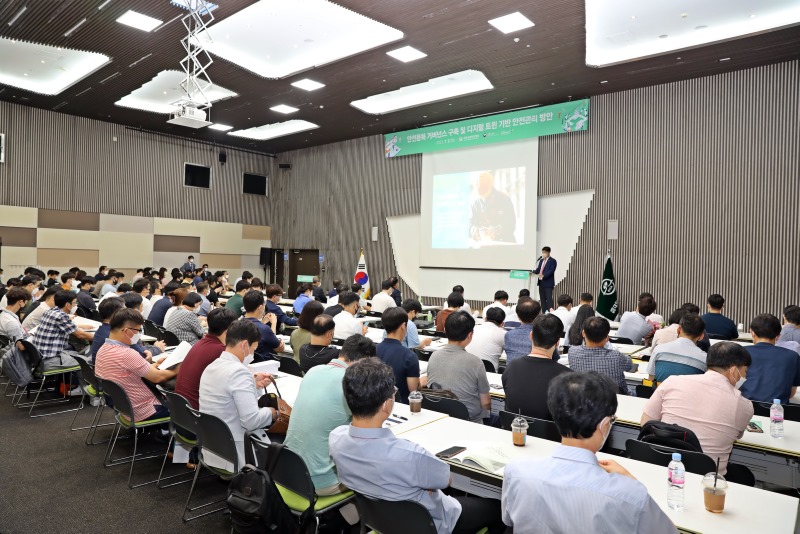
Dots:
pixel 135 339
pixel 249 357
pixel 605 436
pixel 741 380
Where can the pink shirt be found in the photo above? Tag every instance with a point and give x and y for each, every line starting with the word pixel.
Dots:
pixel 708 405
pixel 664 335
pixel 123 365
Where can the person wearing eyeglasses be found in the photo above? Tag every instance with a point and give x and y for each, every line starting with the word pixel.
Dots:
pixel 572 488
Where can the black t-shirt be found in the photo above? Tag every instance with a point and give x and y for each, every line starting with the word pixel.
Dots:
pixel 313 355
pixel 525 383
pixel 334 310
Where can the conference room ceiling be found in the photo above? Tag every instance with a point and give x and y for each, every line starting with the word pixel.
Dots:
pixel 541 65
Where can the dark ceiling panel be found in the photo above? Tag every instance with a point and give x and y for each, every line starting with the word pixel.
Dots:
pixel 546 66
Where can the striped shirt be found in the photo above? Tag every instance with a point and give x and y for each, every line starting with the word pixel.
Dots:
pixel 53 333
pixel 185 325
pixel 611 363
pixel 121 364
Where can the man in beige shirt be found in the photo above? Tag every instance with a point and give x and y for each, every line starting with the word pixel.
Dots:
pixel 709 404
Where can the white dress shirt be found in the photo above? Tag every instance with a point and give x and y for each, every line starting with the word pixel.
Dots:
pixel 228 391
pixel 382 302
pixel 146 307
pixel 506 309
pixel 566 317
pixel 465 307
pixel 346 325
pixel 488 341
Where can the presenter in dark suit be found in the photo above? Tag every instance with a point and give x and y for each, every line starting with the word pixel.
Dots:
pixel 546 270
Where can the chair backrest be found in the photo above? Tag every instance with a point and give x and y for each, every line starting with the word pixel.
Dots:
pixel 620 340
pixel 666 368
pixel 83 312
pixel 87 372
pixel 717 336
pixel 4 341
pixel 452 407
pixel 119 398
pixel 179 413
pixel 290 366
pixel 215 436
pixel 537 428
pixel 645 392
pixel 95 316
pixel 489 366
pixel 694 462
pixel 31 353
pixel 152 330
pixel 791 412
pixel 394 517
pixel 290 470
pixel 170 338
pixel 669 435
pixel 337 341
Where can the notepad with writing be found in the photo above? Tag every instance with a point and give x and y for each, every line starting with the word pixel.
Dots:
pixel 176 356
pixel 489 457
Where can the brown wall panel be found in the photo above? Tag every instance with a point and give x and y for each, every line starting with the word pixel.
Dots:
pixel 69 220
pixel 176 243
pixel 228 261
pixel 250 231
pixel 62 256
pixel 18 237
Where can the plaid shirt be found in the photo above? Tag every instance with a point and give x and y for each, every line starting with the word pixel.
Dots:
pixel 53 333
pixel 609 362
pixel 518 342
pixel 185 325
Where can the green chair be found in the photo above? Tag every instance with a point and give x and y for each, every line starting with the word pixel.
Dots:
pixel 182 424
pixel 294 483
pixel 123 414
pixel 94 390
pixel 41 376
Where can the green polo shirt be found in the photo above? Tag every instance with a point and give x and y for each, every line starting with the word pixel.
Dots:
pixel 319 408
pixel 235 303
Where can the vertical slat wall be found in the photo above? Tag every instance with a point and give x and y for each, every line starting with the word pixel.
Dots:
pixel 704 177
pixel 59 161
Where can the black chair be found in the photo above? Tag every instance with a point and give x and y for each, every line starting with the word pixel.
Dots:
pixel 645 392
pixel 337 341
pixel 489 366
pixel 537 428
pixel 740 474
pixel 373 314
pixel 621 340
pixel 182 428
pixel 95 316
pixel 83 312
pixel 170 339
pixel 153 330
pixel 791 412
pixel 694 462
pixel 94 390
pixel 40 375
pixel 393 517
pixel 452 407
pixel 289 366
pixel 717 336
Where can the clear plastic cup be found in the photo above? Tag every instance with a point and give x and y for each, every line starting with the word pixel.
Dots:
pixel 415 402
pixel 519 431
pixel 714 495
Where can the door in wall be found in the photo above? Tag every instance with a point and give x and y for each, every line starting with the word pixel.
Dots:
pixel 303 265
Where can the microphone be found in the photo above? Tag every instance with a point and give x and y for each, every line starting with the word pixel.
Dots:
pixel 539 259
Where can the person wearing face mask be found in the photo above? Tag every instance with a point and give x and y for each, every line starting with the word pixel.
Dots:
pixel 229 390
pixel 572 488
pixel 710 404
pixel 118 362
pixel 254 311
pixel 10 325
pixel 184 322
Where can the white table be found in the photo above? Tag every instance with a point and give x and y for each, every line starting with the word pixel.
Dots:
pixel 747 510
pixel 286 302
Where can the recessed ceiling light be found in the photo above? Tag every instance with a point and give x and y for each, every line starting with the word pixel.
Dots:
pixel 604 81
pixel 406 54
pixel 752 15
pixel 684 15
pixel 221 127
pixel 160 94
pixel 283 108
pixel 308 85
pixel 724 59
pixel 434 90
pixel 512 22
pixel 278 129
pixel 104 4
pixel 139 21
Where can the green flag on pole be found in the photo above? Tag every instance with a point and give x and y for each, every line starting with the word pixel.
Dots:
pixel 607 299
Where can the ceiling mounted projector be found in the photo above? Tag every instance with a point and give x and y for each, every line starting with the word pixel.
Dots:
pixel 189 116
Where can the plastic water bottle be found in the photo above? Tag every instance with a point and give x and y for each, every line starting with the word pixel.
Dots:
pixel 776 419
pixel 677 478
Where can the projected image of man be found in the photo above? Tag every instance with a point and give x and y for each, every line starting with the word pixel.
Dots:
pixel 493 217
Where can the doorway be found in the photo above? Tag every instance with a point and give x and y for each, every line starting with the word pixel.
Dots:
pixel 303 266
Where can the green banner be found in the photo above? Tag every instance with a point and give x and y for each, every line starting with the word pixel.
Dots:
pixel 305 278
pixel 511 126
pixel 607 299
pixel 519 275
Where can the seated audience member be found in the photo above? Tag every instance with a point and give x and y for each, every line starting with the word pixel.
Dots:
pixel 66 281
pixel 319 408
pixel 391 351
pixel 203 290
pixel 160 308
pixel 775 371
pixel 247 276
pixel 413 308
pixel 682 356
pixel 710 404
pixel 464 307
pixel 118 292
pixel 455 301
pixel 500 301
pixel 489 338
pixel 118 362
pixel 202 354
pixel 30 284
pixel 274 296
pixel 183 321
pixel 198 277
pixel 374 462
pixel 455 369
pixel 346 323
pixel 52 335
pixel 571 488
pixel 112 280
pixel 716 323
pixel 316 290
pixel 85 299
pixel 138 276
pixel 10 325
pixel 791 324
pixel 586 299
pixel 235 302
pixel 396 295
pixel 45 302
pixel 304 296
pixel 704 344
pixel 594 356
pixel 358 290
pixel 302 334
pixel 101 273
pixel 526 379
pixel 319 350
pixel 230 391
pixel 518 340
pixel 334 306
pixel 575 332
pixel 254 311
pixel 383 300
pixel 141 287
pixel 257 285
pixel 106 311
pixel 52 278
pixel 653 318
pixel 634 325
pixel 335 290
pixel 564 311
pixel 135 301
pixel 670 332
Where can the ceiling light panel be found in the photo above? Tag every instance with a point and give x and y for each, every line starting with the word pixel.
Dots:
pixel 278 129
pixel 308 85
pixel 406 54
pixel 221 127
pixel 434 90
pixel 283 108
pixel 160 94
pixel 43 69
pixel 139 21
pixel 276 38
pixel 512 22
pixel 627 30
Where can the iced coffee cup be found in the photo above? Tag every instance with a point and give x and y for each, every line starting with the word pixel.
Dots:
pixel 519 431
pixel 415 402
pixel 714 493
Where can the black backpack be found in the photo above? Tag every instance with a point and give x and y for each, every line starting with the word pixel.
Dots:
pixel 255 503
pixel 667 435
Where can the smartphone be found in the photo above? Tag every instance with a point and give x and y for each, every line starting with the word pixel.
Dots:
pixel 752 426
pixel 449 453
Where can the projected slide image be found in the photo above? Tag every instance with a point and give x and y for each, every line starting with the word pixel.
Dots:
pixel 478 209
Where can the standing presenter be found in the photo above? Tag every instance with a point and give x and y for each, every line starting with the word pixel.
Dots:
pixel 546 270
